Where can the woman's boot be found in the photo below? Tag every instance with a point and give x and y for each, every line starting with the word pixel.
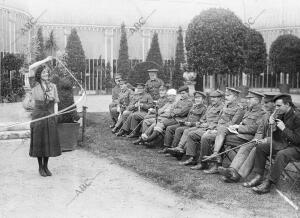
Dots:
pixel 47 171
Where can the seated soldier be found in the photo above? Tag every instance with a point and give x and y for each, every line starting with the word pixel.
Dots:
pixel 243 161
pixel 174 132
pixel 153 113
pixel 122 102
pixel 209 121
pixel 113 106
pixel 285 145
pixel 163 114
pixel 178 112
pixel 139 104
pixel 232 113
pixel 236 134
pixel 135 119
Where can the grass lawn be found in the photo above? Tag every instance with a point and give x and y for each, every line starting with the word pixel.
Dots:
pixel 166 172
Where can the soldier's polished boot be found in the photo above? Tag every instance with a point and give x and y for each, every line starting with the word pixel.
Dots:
pixel 200 166
pixel 213 169
pixel 263 188
pixel 190 161
pixel 229 173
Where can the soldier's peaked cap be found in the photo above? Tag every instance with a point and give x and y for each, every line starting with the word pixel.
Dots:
pixel 216 93
pixel 118 76
pixel 183 88
pixel 152 70
pixel 284 95
pixel 201 93
pixel 233 90
pixel 253 94
pixel 268 96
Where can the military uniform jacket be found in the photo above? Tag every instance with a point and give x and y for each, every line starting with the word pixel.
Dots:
pixel 196 113
pixel 263 129
pixel 115 92
pixel 165 111
pixel 290 136
pixel 231 114
pixel 145 101
pixel 152 87
pixel 250 122
pixel 124 97
pixel 181 109
pixel 212 115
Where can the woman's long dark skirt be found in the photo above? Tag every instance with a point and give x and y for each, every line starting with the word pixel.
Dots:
pixel 44 135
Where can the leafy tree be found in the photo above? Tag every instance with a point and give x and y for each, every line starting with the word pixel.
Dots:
pixel 75 58
pixel 123 60
pixel 179 60
pixel 154 54
pixel 256 53
pixel 12 84
pixel 215 42
pixel 50 44
pixel 40 52
pixel 285 54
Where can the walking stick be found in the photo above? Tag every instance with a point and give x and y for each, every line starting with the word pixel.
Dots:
pixel 271 144
pixel 156 113
pixel 271 140
pixel 209 158
pixel 135 128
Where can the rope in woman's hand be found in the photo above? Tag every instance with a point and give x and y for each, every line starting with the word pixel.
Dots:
pixel 63 111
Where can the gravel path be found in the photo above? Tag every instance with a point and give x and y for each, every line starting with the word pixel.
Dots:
pixel 84 185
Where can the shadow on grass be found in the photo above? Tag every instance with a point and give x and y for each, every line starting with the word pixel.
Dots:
pixel 166 172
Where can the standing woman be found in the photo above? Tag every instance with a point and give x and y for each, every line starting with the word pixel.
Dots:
pixel 44 141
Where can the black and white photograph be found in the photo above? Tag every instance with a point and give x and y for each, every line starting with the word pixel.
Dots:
pixel 149 108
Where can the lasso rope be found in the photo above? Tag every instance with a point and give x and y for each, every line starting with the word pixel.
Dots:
pixel 63 111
